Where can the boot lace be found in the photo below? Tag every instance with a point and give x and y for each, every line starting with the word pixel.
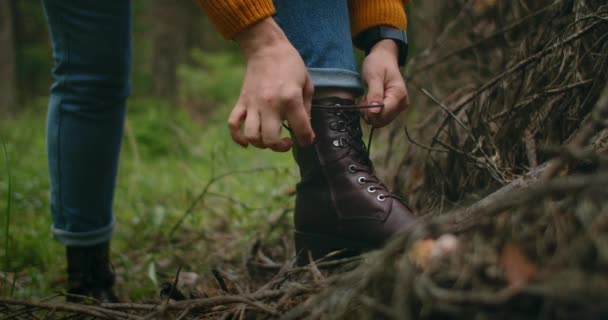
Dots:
pixel 348 119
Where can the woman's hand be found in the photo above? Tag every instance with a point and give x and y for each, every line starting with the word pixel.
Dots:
pixel 385 85
pixel 276 87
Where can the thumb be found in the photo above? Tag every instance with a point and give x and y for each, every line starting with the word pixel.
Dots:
pixel 375 93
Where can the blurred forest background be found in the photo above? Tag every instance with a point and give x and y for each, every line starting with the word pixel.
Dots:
pixel 185 79
pixel 169 41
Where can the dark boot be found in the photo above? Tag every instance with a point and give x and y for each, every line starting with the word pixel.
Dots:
pixel 90 273
pixel 340 203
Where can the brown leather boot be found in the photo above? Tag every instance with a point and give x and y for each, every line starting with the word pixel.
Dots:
pixel 90 273
pixel 340 203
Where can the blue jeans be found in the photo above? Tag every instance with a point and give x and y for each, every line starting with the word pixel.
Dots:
pixel 92 52
pixel 320 31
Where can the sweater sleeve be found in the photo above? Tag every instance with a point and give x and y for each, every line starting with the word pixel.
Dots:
pixel 233 16
pixel 365 14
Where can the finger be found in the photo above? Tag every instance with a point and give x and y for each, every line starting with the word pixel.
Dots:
pixel 407 97
pixel 308 93
pixel 364 112
pixel 300 123
pixel 375 93
pixel 252 129
pixel 392 108
pixel 271 133
pixel 395 100
pixel 367 113
pixel 235 122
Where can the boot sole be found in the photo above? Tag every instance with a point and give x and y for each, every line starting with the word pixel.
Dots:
pixel 316 246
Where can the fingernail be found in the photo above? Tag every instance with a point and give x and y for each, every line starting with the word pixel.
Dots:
pixel 375 110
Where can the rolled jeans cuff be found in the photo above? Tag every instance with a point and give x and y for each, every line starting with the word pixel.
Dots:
pixel 336 78
pixel 84 239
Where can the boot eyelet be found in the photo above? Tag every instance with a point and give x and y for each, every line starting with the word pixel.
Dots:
pixel 362 180
pixel 371 189
pixel 352 168
pixel 340 143
pixel 381 197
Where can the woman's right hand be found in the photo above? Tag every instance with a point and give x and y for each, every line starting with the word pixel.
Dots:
pixel 276 87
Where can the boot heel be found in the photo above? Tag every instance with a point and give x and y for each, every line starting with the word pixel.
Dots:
pixel 309 247
pixel 314 246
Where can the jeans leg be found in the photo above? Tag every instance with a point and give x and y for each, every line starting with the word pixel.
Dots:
pixel 92 53
pixel 320 31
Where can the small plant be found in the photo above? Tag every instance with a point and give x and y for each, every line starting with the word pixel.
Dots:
pixel 7 220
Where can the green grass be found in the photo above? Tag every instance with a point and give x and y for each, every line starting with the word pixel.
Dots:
pixel 167 160
pixel 7 214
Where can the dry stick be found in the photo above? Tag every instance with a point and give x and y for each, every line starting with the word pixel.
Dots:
pixel 596 122
pixel 71 307
pixel 183 314
pixel 494 171
pixel 18 312
pixel 203 302
pixel 530 144
pixel 26 309
pixel 373 304
pixel 163 307
pixel 229 300
pixel 518 192
pixel 554 91
pixel 461 296
pixel 502 31
pixel 285 272
pixel 520 65
pixel 409 138
pixel 439 38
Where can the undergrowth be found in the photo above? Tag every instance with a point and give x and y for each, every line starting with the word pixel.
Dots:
pixel 167 160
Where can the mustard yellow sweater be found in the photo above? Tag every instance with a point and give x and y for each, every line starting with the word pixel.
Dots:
pixel 233 16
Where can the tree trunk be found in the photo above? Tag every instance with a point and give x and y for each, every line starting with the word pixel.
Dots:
pixel 170 43
pixel 8 91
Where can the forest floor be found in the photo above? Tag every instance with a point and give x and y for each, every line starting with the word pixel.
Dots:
pixel 186 197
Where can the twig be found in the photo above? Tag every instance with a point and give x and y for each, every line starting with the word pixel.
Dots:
pixel 475 44
pixel 409 138
pixel 595 123
pixel 202 195
pixel 530 143
pixel 518 192
pixel 490 165
pixel 71 307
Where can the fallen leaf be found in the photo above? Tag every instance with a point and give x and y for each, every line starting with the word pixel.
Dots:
pixel 517 267
pixel 445 245
pixel 421 253
pixel 482 6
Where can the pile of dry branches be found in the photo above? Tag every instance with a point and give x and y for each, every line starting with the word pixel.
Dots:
pixel 505 84
pixel 517 131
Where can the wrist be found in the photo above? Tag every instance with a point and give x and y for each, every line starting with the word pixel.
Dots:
pixel 368 38
pixel 386 46
pixel 259 36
